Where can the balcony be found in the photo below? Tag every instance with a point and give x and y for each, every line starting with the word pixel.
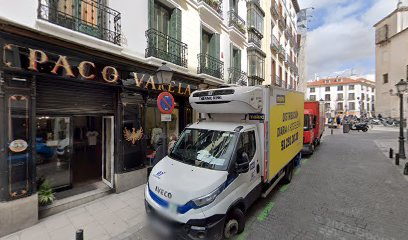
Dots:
pixel 236 76
pixel 255 39
pixel 282 24
pixel 275 45
pixel 255 80
pixel 236 21
pixel 281 53
pixel 167 48
pixel 86 16
pixel 288 34
pixel 214 4
pixel 278 81
pixel 210 65
pixel 275 11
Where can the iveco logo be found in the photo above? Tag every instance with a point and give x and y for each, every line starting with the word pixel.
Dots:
pixel 163 192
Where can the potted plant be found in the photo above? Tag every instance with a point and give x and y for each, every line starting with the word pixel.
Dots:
pixel 45 193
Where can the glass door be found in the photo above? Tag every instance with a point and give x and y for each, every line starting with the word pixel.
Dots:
pixel 53 145
pixel 108 146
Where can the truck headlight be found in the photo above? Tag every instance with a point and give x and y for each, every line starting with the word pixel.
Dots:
pixel 209 198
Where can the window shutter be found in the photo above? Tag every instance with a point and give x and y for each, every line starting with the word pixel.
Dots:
pixel 216 38
pixel 151 13
pixel 232 56
pixel 175 24
pixel 239 60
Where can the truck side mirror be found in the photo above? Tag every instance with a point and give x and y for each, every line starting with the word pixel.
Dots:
pixel 314 121
pixel 242 166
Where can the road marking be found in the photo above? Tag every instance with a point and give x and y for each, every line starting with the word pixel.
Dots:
pixel 265 212
pixel 283 188
pixel 297 171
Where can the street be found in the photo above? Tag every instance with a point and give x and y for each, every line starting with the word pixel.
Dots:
pixel 347 190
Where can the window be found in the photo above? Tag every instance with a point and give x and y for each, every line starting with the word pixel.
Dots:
pixel 312 89
pixel 372 108
pixel 255 18
pixel 312 97
pixel 351 96
pixel 339 88
pixel 385 78
pixel 362 88
pixel 339 96
pixel 351 87
pixel 368 107
pixel 327 97
pixel 352 106
pixel 372 98
pixel 362 96
pixel 372 89
pixel 247 144
pixel 161 18
pixel 327 89
pixel 255 64
pixel 339 106
pixel 236 58
pixel 327 106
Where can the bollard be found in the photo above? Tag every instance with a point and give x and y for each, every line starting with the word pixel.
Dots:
pixel 79 234
pixel 391 153
pixel 331 130
pixel 406 169
pixel 397 159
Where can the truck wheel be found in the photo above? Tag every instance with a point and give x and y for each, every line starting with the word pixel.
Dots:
pixel 288 173
pixel 234 224
pixel 365 129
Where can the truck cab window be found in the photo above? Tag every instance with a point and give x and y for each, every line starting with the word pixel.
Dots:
pixel 247 143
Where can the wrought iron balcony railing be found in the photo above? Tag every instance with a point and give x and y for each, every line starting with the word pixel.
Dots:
pixel 86 16
pixel 282 24
pixel 214 4
pixel 255 39
pixel 275 11
pixel 278 81
pixel 167 48
pixel 281 53
pixel 210 65
pixel 275 44
pixel 236 76
pixel 255 80
pixel 236 21
pixel 288 34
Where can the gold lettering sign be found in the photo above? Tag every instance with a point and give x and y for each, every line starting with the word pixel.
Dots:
pixel 33 59
pixel 107 75
pixel 63 62
pixel 82 69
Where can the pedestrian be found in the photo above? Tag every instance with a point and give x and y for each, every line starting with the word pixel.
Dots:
pixel 338 121
pixel 160 150
pixel 173 140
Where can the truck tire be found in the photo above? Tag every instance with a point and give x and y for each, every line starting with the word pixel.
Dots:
pixel 235 223
pixel 288 173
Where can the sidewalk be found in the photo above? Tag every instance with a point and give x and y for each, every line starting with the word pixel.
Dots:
pixel 116 216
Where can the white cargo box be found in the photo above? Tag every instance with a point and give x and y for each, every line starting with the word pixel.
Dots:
pixel 228 100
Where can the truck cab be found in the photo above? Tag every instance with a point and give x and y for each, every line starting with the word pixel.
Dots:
pixel 308 132
pixel 245 142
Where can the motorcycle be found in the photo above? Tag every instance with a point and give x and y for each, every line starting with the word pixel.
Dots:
pixel 359 126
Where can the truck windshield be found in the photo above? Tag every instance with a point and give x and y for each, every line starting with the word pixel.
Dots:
pixel 307 125
pixel 205 148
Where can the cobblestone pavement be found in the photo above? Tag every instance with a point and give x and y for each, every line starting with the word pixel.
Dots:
pixel 347 190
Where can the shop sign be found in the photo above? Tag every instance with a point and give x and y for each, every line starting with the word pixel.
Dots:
pixel 37 60
pixel 18 145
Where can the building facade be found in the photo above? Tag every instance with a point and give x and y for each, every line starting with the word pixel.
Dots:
pixel 282 43
pixel 391 60
pixel 78 90
pixel 344 96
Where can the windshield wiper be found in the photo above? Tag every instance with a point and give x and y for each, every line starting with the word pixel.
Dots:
pixel 177 156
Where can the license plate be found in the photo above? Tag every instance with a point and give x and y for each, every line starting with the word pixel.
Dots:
pixel 173 208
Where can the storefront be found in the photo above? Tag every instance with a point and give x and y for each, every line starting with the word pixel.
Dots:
pixel 71 116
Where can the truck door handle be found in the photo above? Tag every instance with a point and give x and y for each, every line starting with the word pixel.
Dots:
pixel 257 168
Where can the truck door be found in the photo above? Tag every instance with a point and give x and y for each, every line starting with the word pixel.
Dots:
pixel 249 143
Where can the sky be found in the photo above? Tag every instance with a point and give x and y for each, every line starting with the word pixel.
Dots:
pixel 341 36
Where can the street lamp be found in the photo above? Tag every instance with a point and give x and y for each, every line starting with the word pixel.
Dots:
pixel 401 89
pixel 164 75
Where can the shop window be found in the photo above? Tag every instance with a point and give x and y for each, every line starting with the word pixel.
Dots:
pixel 134 150
pixel 18 149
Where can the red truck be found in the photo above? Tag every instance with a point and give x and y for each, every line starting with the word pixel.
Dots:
pixel 313 126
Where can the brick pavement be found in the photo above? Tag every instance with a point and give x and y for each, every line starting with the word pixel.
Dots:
pixel 347 190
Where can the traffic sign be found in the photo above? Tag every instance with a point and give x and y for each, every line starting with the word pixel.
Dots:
pixel 165 103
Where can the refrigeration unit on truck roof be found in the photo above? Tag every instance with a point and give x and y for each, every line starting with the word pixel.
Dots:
pixel 228 100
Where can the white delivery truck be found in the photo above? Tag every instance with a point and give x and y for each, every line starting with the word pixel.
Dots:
pixel 247 140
